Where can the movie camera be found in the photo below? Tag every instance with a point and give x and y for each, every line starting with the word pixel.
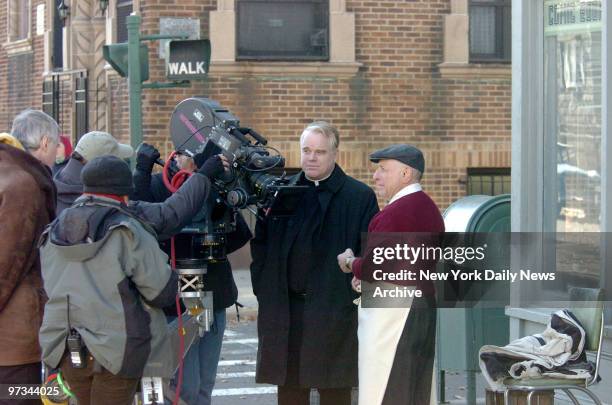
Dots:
pixel 201 127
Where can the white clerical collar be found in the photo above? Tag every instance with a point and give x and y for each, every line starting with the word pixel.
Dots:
pixel 316 182
pixel 412 188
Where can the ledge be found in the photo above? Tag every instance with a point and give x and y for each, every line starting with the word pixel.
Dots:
pixel 537 315
pixel 284 69
pixel 17 47
pixel 66 72
pixel 475 71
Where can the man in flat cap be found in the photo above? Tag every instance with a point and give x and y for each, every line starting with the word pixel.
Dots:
pixel 397 344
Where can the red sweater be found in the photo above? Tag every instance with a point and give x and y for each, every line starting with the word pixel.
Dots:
pixel 415 212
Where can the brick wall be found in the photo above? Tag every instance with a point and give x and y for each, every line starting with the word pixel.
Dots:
pixel 21 73
pixel 398 95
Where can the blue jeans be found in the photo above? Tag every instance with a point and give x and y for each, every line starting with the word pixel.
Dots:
pixel 200 364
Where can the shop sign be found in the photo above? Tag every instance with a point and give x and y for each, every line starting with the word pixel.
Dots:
pixel 561 16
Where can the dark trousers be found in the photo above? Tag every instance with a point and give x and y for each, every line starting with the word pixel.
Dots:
pixel 94 385
pixel 22 374
pixel 292 393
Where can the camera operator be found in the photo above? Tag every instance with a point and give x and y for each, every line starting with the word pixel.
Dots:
pixel 167 218
pixel 307 322
pixel 107 280
pixel 200 367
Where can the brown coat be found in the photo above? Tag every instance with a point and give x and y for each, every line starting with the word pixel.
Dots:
pixel 27 205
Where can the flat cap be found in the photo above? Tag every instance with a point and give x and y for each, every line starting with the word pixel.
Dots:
pixel 407 154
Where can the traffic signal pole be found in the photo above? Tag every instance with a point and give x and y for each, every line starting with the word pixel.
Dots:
pixel 134 82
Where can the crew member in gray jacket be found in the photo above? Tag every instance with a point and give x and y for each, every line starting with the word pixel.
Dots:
pixel 106 280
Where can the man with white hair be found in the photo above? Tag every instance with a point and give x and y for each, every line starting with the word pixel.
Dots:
pixel 307 320
pixel 27 194
pixel 38 133
pixel 397 337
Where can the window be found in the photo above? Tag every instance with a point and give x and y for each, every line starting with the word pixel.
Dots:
pixel 18 20
pixel 124 9
pixel 488 181
pixel 573 67
pixel 283 29
pixel 57 57
pixel 490 30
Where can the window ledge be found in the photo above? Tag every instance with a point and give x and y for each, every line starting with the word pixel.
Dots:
pixel 537 315
pixel 65 72
pixel 475 71
pixel 292 69
pixel 16 47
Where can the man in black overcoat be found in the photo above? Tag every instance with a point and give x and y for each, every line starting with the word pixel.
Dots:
pixel 307 323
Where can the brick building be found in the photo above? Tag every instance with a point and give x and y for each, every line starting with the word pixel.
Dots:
pixel 434 73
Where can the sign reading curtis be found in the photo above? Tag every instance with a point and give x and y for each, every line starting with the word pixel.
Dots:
pixel 188 59
pixel 572 16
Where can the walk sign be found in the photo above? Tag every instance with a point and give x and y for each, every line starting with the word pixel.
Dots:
pixel 188 59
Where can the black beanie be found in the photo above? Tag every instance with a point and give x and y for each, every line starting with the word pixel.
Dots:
pixel 107 175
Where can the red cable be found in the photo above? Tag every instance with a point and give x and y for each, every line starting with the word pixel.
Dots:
pixel 178 179
pixel 181 349
pixel 165 172
pixel 173 185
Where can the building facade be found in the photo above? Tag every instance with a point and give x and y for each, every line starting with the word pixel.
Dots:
pixel 432 73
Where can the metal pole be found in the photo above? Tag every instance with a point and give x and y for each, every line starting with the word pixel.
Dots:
pixel 134 82
pixel 471 353
pixel 442 387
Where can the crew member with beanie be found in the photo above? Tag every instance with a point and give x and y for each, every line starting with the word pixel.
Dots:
pixel 106 280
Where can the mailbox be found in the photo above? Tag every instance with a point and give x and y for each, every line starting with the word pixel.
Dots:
pixel 462 331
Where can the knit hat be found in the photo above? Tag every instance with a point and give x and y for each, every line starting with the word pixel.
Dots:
pixel 65 140
pixel 98 143
pixel 107 175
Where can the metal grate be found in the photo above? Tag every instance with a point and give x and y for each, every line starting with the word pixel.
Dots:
pixel 488 181
pixel 80 105
pixel 50 97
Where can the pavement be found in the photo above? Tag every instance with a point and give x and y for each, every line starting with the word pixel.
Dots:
pixel 245 297
pixel 236 385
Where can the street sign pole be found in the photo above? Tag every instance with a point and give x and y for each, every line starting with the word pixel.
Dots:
pixel 134 82
pixel 137 69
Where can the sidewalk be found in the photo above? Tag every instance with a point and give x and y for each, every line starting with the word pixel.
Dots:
pixel 245 297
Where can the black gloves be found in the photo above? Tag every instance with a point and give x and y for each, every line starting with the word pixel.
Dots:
pixel 199 159
pixel 146 155
pixel 212 167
